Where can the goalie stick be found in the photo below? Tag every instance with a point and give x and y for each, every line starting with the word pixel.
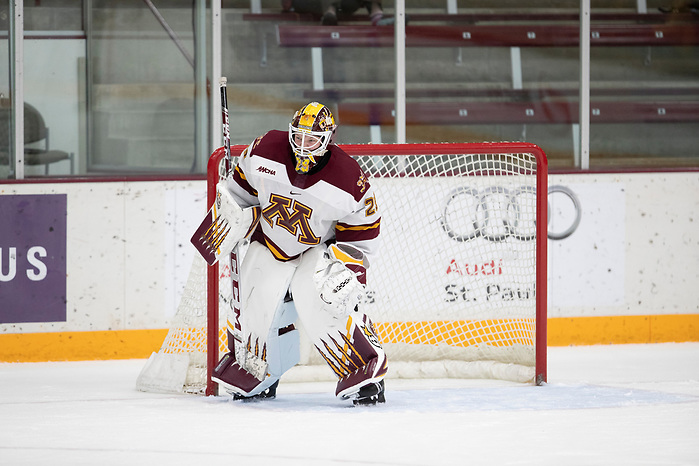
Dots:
pixel 210 238
pixel 226 126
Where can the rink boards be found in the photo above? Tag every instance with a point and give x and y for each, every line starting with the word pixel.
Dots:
pixel 93 270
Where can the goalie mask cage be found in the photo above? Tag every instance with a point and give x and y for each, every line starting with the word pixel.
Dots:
pixel 458 288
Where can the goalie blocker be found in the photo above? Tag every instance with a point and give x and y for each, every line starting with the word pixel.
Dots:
pixel 225 224
pixel 324 296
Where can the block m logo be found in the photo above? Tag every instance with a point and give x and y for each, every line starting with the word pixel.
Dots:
pixel 292 216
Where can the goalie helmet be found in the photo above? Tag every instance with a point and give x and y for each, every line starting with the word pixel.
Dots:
pixel 310 132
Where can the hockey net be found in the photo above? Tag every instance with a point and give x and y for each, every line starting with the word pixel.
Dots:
pixel 457 290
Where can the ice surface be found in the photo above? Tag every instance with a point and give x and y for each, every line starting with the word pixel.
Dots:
pixel 619 405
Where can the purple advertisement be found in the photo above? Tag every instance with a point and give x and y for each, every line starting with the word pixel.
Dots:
pixel 33 258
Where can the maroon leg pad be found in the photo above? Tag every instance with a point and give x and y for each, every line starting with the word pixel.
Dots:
pixel 230 374
pixel 362 376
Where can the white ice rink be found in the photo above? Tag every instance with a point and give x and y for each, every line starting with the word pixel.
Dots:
pixel 604 405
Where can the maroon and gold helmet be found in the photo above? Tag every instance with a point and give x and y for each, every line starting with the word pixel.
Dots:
pixel 310 132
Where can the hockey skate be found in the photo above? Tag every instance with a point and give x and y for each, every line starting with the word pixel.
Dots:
pixel 370 394
pixel 268 394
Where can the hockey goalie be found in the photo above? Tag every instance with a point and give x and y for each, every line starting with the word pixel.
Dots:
pixel 312 221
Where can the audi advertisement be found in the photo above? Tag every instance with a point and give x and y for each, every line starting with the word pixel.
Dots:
pixel 471 243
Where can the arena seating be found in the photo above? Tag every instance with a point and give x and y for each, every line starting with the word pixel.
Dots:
pixel 528 94
pixel 477 35
pixel 449 112
pixel 452 103
pixel 535 109
pixel 473 18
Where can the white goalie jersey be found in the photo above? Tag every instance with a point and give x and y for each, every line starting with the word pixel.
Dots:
pixel 333 201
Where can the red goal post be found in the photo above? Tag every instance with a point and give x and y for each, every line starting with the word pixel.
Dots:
pixel 495 194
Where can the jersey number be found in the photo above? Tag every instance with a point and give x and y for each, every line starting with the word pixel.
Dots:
pixel 370 204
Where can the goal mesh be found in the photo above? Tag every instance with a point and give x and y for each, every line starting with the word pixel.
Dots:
pixel 459 286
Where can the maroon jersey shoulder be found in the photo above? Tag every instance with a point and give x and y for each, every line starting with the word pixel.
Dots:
pixel 341 170
pixel 274 145
pixel 345 173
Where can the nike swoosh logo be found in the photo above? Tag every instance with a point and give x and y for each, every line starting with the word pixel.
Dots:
pixel 294 193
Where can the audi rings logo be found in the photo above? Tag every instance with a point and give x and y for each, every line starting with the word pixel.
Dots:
pixel 497 213
pixel 567 216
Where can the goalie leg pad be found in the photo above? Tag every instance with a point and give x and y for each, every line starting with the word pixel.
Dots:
pixel 283 346
pixel 264 282
pixel 348 343
pixel 262 339
pixel 283 354
pixel 369 351
pixel 233 378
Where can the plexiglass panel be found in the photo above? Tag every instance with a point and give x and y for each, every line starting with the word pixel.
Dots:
pixel 120 85
pixel 5 103
pixel 516 77
pixel 269 80
pixel 51 54
pixel 142 92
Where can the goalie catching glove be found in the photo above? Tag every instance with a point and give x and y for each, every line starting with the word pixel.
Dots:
pixel 225 224
pixel 340 278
